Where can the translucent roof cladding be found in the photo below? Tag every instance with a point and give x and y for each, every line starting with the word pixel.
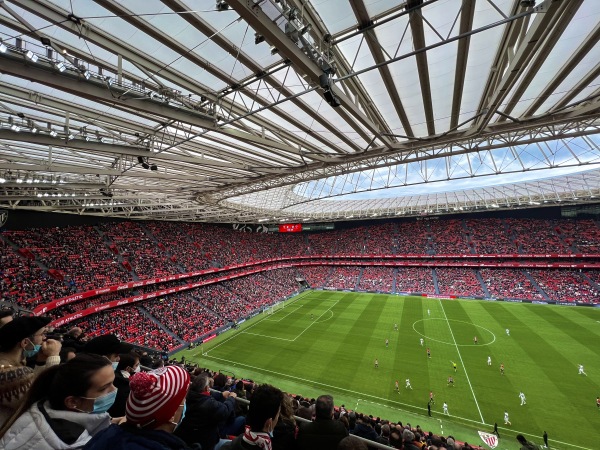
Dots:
pixel 574 35
pixel 337 15
pixel 482 49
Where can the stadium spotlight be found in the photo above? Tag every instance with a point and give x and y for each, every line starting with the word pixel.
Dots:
pixel 32 56
pixel 53 133
pixel 274 50
pixel 60 66
pixel 2 47
pixel 222 5
pixel 258 38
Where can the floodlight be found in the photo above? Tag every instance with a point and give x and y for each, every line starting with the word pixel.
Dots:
pixel 258 38
pixel 53 133
pixel 32 56
pixel 60 66
pixel 274 50
pixel 87 74
pixel 222 5
pixel 2 47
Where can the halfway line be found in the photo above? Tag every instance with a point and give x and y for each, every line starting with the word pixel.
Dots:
pixel 461 361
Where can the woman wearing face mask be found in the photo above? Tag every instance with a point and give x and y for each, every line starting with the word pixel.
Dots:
pixel 155 408
pixel 23 337
pixel 64 408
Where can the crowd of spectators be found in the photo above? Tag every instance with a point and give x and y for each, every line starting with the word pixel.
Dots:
pixel 509 283
pixel 537 236
pixel 24 283
pixel 458 281
pixel 376 279
pixel 343 278
pixel 490 236
pixel 381 239
pixel 413 238
pixel 448 237
pixel 315 276
pixel 139 249
pixel 582 235
pixel 175 240
pixel 566 286
pixel 183 315
pixel 131 324
pixel 415 279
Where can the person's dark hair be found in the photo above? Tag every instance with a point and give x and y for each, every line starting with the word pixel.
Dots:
pixel 324 407
pixel 521 439
pixel 265 404
pixel 56 383
pixel 127 360
pixel 352 443
pixel 64 352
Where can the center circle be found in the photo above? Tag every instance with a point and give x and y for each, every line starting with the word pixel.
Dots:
pixel 454 343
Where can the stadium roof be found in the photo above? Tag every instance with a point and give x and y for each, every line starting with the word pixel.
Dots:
pixel 286 110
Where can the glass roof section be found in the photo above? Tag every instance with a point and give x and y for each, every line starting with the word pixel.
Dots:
pixel 292 109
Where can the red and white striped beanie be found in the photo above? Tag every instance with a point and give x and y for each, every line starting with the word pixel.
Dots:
pixel 156 395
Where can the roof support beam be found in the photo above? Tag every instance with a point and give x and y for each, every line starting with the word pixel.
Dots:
pixel 361 13
pixel 590 42
pixel 261 23
pixel 558 26
pixel 466 24
pixel 530 43
pixel 418 34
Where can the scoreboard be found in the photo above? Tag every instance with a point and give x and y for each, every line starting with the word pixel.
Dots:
pixel 299 227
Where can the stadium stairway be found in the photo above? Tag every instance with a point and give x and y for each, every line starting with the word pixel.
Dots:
pixel 537 286
pixel 108 243
pixel 482 283
pixel 360 274
pixel 435 281
pixel 145 312
pixel 395 274
pixel 589 280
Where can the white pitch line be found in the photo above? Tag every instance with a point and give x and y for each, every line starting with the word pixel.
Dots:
pixel 311 324
pixel 461 362
pixel 266 336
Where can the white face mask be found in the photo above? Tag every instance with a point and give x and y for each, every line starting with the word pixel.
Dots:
pixel 137 369
pixel 115 364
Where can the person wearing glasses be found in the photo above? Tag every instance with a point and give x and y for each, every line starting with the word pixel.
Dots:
pixel 21 339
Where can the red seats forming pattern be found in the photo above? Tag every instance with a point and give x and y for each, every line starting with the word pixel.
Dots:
pixel 449 237
pixel 315 276
pixel 565 285
pixel 415 279
pixel 489 236
pixel 458 281
pixel 376 279
pixel 343 278
pixel 82 256
pixel 129 324
pixel 509 283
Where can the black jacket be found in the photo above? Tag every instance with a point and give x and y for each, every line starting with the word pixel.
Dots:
pixel 322 434
pixel 202 418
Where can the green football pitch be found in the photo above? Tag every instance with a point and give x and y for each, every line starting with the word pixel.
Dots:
pixel 325 342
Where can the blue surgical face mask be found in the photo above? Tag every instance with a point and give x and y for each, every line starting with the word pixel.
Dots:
pixel 30 353
pixel 115 365
pixel 103 403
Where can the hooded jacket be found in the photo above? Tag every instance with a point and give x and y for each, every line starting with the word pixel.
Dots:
pixel 42 428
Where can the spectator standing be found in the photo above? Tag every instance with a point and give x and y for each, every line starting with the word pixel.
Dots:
pixel 108 345
pixel 324 433
pixel 128 365
pixel 21 338
pixel 205 413
pixel 64 408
